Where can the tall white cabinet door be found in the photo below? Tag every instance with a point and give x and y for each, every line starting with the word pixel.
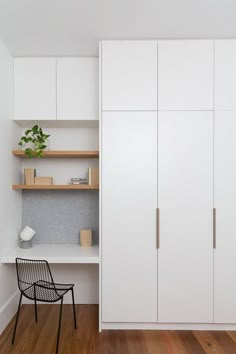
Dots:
pixel 185 75
pixel 34 88
pixel 225 201
pixel 77 88
pixel 129 75
pixel 225 74
pixel 185 199
pixel 129 199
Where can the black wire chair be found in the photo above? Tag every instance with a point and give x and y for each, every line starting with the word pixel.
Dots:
pixel 35 282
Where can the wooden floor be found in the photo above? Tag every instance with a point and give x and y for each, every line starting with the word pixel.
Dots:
pixel 40 338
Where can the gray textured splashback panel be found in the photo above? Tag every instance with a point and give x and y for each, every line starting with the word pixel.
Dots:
pixel 57 216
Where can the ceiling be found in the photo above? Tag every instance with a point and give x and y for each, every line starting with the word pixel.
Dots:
pixel 74 27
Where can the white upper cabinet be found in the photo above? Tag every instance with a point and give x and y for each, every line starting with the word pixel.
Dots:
pixel 225 75
pixel 185 75
pixel 34 89
pixel 129 75
pixel 77 88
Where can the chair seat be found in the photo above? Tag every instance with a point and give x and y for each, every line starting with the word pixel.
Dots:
pixel 47 291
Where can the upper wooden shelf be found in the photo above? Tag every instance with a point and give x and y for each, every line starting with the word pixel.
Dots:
pixel 61 154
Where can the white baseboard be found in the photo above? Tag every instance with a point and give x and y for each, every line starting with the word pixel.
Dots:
pixel 169 326
pixel 8 310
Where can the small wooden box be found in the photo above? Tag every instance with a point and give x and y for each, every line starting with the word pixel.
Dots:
pixel 29 174
pixel 43 181
pixel 86 238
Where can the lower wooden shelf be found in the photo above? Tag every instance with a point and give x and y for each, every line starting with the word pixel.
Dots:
pixel 55 186
pixel 55 253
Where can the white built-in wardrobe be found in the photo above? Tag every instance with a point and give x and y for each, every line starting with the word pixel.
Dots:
pixel 168 183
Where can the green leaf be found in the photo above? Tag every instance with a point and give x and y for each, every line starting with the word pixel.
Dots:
pixel 35 129
pixel 27 132
pixel 29 153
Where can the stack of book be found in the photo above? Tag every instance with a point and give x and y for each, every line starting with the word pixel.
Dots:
pixel 78 180
pixel 92 180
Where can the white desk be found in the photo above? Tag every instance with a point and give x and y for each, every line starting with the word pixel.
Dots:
pixel 55 253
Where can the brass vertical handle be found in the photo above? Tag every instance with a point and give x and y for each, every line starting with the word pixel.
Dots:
pixel 214 228
pixel 157 228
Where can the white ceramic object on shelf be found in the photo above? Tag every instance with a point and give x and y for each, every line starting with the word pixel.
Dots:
pixel 26 236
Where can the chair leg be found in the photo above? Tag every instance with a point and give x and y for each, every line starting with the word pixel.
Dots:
pixel 35 306
pixel 73 302
pixel 35 310
pixel 17 316
pixel 59 326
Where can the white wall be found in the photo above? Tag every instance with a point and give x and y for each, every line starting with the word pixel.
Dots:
pixel 10 201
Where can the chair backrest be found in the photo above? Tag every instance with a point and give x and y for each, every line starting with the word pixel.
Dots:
pixel 29 271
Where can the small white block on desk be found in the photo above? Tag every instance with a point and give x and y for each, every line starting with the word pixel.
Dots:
pixel 55 253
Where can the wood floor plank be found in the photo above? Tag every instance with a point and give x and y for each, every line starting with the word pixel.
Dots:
pixel 225 341
pixel 191 345
pixel 208 342
pixel 174 342
pixel 155 342
pixel 113 342
pixel 40 338
pixel 232 334
pixel 27 329
pixel 82 340
pixel 68 331
pixel 46 341
pixel 136 343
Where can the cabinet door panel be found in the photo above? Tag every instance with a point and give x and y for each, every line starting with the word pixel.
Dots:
pixel 129 75
pixel 77 88
pixel 185 75
pixel 225 75
pixel 225 201
pixel 129 197
pixel 34 89
pixel 185 199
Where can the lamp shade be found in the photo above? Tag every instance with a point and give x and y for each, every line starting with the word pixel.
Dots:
pixel 27 233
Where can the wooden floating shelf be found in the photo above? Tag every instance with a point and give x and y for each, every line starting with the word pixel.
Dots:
pixel 55 186
pixel 61 154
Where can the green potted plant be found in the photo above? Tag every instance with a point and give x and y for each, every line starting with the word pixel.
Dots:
pixel 34 142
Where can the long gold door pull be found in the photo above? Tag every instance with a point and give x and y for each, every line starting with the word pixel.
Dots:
pixel 157 228
pixel 214 228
